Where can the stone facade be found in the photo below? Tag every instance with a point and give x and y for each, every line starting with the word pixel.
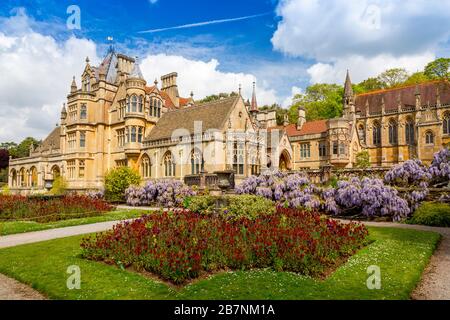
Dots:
pixel 115 119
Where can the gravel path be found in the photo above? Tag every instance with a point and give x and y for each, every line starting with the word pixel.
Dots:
pixel 434 285
pixel 38 236
pixel 11 289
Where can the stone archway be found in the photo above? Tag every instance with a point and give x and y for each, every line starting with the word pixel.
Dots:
pixel 285 163
pixel 56 172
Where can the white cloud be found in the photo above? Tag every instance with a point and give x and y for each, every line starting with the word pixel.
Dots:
pixel 203 78
pixel 294 91
pixel 37 70
pixel 324 29
pixel 36 75
pixel 362 68
pixel 365 36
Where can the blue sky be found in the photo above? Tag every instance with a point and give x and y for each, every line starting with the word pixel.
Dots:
pixel 289 45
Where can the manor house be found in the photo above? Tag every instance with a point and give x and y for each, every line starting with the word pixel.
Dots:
pixel 115 118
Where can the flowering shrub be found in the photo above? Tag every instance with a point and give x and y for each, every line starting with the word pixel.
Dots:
pixel 408 174
pixel 97 195
pixel 440 167
pixel 47 209
pixel 367 196
pixel 293 190
pixel 182 245
pixel 168 193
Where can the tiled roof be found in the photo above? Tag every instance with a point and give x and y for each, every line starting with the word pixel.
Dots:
pixel 213 115
pixel 406 94
pixel 310 127
pixel 53 140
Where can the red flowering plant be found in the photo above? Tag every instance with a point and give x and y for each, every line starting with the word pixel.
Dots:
pixel 48 209
pixel 182 245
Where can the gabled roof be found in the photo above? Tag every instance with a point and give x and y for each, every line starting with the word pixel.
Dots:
pixel 310 127
pixel 213 115
pixel 405 95
pixel 52 140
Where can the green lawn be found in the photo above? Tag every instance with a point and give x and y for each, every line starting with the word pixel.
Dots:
pixel 28 226
pixel 401 254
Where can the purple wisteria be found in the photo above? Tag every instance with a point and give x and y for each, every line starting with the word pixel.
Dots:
pixel 440 167
pixel 369 197
pixel 167 193
pixel 293 190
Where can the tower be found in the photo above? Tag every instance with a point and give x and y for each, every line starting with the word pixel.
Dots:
pixel 349 97
pixel 253 108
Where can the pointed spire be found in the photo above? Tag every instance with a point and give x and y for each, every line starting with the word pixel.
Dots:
pixel 254 105
pixel 348 90
pixel 73 86
pixel 63 112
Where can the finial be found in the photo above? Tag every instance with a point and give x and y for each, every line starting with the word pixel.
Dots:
pixel 87 60
pixel 240 89
pixel 156 81
pixel 192 94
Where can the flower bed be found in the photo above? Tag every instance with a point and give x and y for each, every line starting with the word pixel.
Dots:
pixel 48 209
pixel 167 193
pixel 182 245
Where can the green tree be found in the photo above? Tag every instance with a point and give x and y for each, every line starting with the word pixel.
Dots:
pixel 393 77
pixel 438 69
pixel 215 97
pixel 8 145
pixel 321 101
pixel 417 77
pixel 23 149
pixel 363 160
pixel 370 84
pixel 118 180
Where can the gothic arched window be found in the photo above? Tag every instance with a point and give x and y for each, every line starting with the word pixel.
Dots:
pixel 362 133
pixel 169 165
pixel 197 163
pixel 446 123
pixel 393 132
pixel 128 104
pixel 409 132
pixel 146 167
pixel 429 137
pixel 376 133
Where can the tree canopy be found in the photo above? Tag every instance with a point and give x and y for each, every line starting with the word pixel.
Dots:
pixel 438 69
pixel 321 101
pixel 20 150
